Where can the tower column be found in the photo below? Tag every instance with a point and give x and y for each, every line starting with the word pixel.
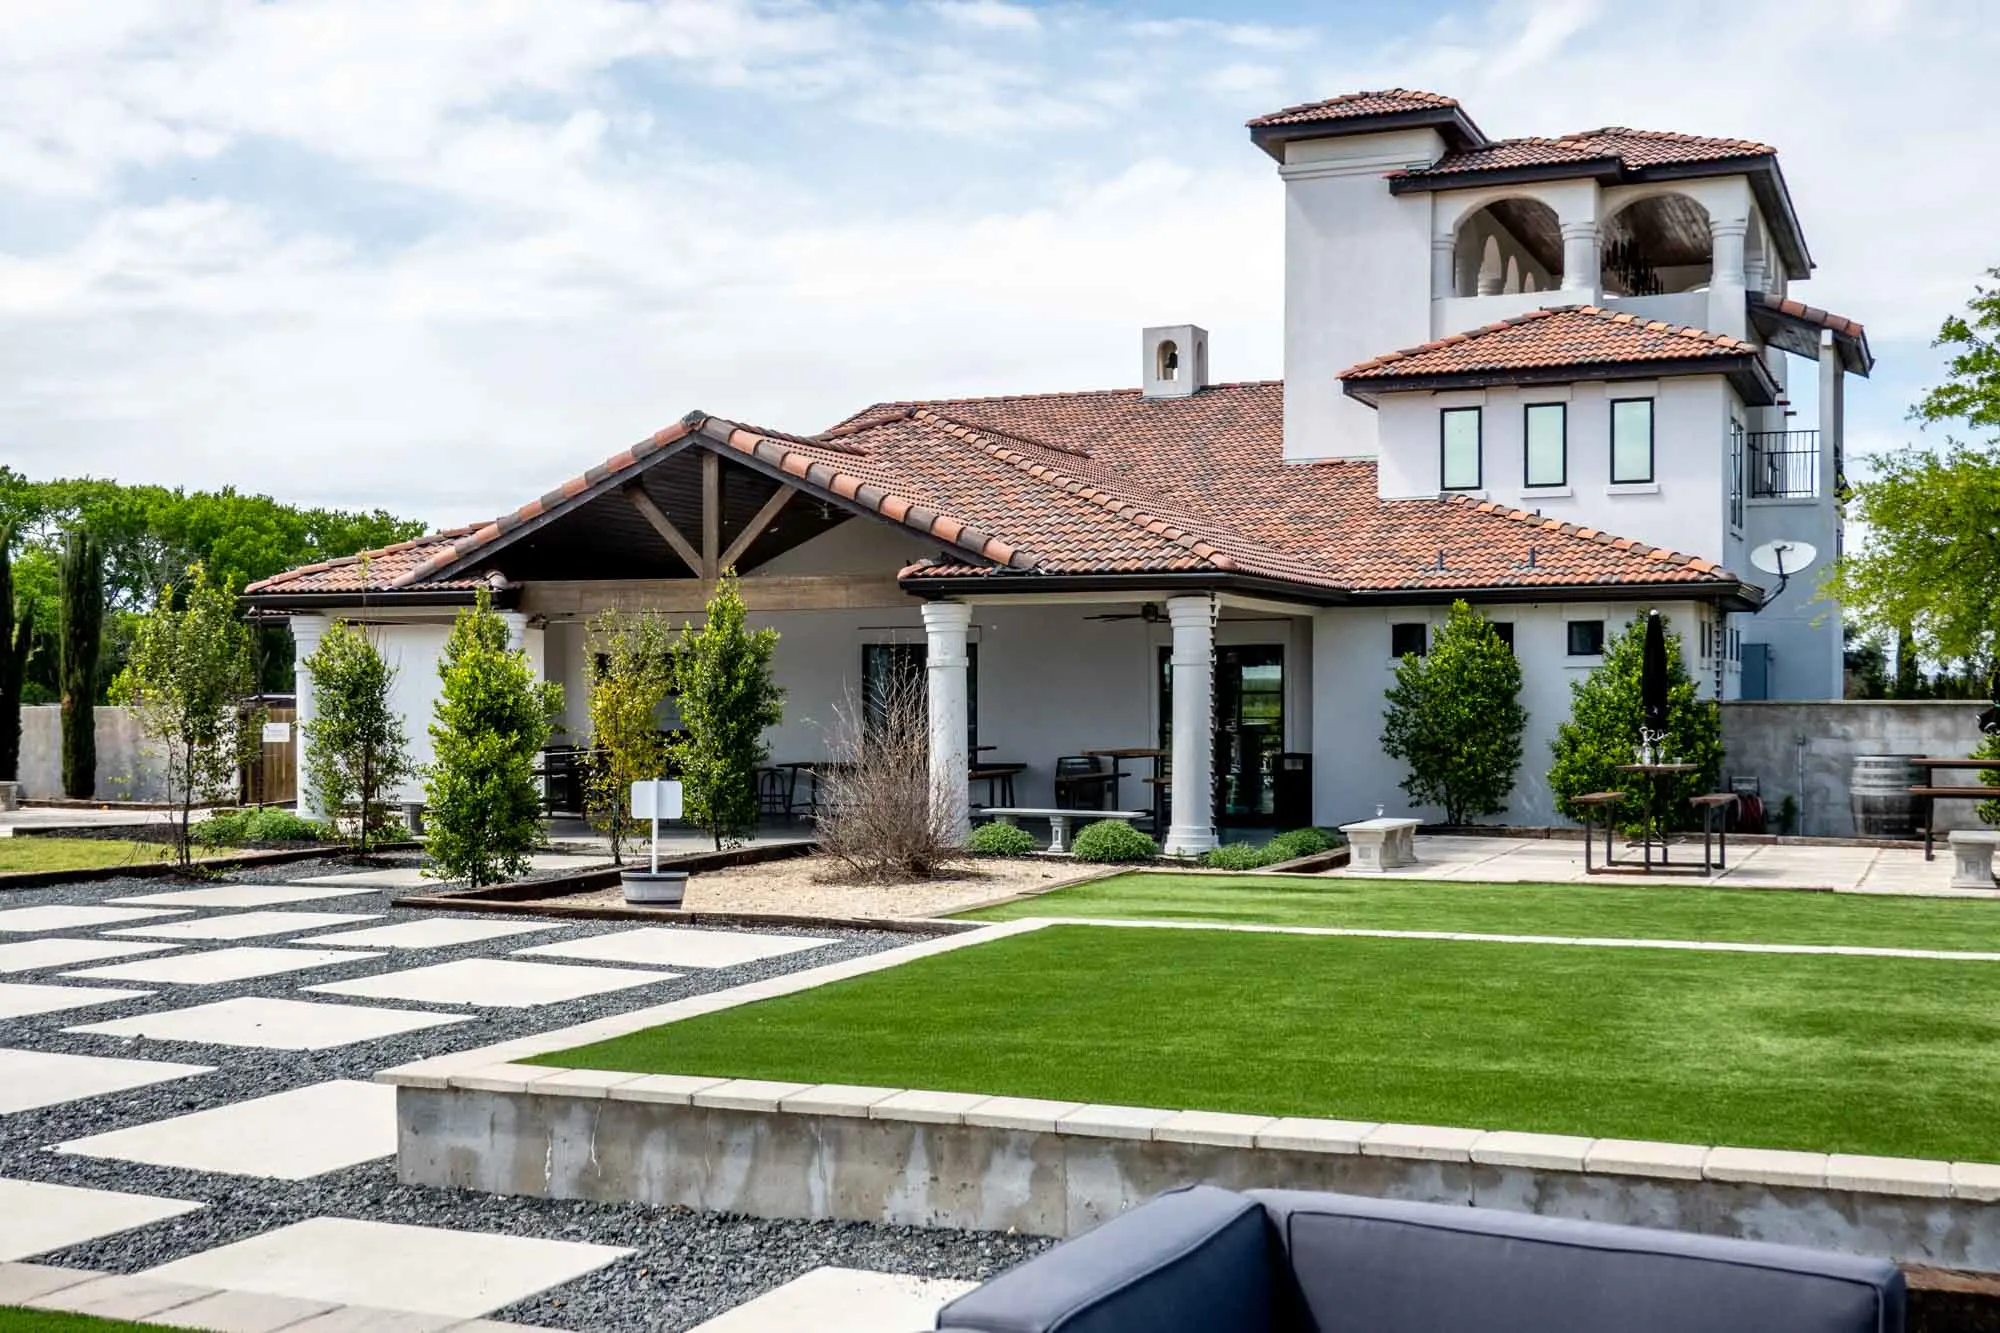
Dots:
pixel 1726 313
pixel 1580 260
pixel 1444 267
pixel 945 662
pixel 1191 830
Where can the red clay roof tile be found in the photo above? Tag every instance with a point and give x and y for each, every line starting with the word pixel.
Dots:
pixel 1348 106
pixel 1557 336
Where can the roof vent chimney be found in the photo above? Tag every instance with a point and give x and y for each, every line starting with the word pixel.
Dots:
pixel 1176 361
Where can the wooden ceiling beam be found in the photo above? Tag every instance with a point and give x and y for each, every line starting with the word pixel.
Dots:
pixel 755 527
pixel 653 514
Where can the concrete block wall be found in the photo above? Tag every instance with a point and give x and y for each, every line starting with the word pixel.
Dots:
pixel 1807 750
pixel 129 768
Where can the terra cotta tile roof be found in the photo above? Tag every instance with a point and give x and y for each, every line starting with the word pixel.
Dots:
pixel 1556 336
pixel 1104 482
pixel 1348 106
pixel 1626 148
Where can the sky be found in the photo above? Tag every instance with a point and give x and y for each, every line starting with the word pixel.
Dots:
pixel 439 255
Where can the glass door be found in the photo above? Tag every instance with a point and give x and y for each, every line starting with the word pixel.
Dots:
pixel 1249 729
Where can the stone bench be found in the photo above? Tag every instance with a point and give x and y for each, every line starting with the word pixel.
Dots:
pixel 1376 845
pixel 1059 819
pixel 1972 857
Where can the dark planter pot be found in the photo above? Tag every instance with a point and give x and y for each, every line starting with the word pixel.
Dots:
pixel 662 889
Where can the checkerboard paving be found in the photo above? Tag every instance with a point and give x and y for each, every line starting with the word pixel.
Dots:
pixel 659 946
pixel 30 1080
pixel 217 966
pixel 272 1025
pixel 245 925
pixel 493 983
pixel 36 1218
pixel 286 1136
pixel 22 1000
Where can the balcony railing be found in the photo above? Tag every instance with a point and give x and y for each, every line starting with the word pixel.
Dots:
pixel 1782 464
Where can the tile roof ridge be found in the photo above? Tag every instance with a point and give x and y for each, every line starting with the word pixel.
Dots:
pixel 1672 136
pixel 900 408
pixel 1665 555
pixel 932 414
pixel 792 461
pixel 1176 529
pixel 1431 99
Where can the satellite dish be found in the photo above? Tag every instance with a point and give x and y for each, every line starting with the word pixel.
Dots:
pixel 1784 558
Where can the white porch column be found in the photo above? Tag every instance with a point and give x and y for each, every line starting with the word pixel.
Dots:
pixel 1580 258
pixel 517 629
pixel 1726 313
pixel 306 634
pixel 1444 267
pixel 1191 829
pixel 945 626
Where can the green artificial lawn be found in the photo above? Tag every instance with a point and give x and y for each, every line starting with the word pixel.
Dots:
pixel 18 855
pixel 13 1319
pixel 1822 1052
pixel 1766 916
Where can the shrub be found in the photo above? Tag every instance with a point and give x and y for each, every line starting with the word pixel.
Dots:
pixel 1455 719
pixel 1603 730
pixel 880 811
pixel 997 839
pixel 1112 840
pixel 356 753
pixel 629 679
pixel 493 718
pixel 1237 856
pixel 721 675
pixel 257 828
pixel 1301 842
pixel 1989 748
pixel 81 641
pixel 17 637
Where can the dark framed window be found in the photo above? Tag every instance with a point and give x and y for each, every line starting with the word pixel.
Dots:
pixel 1735 473
pixel 1586 638
pixel 1411 636
pixel 886 664
pixel 1458 449
pixel 1505 629
pixel 1631 440
pixel 1545 438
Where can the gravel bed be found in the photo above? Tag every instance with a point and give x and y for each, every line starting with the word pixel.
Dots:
pixel 689 1266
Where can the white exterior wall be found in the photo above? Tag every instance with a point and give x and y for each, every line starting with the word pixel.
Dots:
pixel 1357 278
pixel 1684 508
pixel 1352 665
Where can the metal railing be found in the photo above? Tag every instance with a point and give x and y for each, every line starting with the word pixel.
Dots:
pixel 1782 464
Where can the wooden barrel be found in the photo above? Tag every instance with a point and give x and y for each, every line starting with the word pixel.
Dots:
pixel 1879 793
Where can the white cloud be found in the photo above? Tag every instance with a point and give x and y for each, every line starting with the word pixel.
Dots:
pixel 778 211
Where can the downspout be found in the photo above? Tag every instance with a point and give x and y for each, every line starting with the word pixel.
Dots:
pixel 1802 786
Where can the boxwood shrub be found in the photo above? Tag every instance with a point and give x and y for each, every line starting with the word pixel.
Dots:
pixel 997 839
pixel 1237 856
pixel 1112 840
pixel 1300 842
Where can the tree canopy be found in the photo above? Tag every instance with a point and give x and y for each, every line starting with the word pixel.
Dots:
pixel 1929 575
pixel 150 535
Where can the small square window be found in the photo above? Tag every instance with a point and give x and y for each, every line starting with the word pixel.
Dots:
pixel 1408 637
pixel 1547 445
pixel 1631 440
pixel 1586 638
pixel 1460 432
pixel 1505 629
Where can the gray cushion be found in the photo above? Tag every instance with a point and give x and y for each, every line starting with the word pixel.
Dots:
pixel 1377 1266
pixel 1197 1260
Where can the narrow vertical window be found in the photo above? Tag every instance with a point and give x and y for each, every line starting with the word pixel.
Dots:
pixel 1631 440
pixel 1547 432
pixel 1460 430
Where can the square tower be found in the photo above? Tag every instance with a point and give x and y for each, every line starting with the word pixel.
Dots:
pixel 1175 360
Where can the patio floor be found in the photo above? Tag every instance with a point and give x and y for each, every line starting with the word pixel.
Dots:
pixel 1889 870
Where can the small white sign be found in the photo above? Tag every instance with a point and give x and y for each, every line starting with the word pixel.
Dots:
pixel 277 733
pixel 658 799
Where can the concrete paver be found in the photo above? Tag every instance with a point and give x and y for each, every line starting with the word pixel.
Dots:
pixel 842 1300
pixel 497 983
pixel 36 1217
pixel 667 946
pixel 287 1136
pixel 272 1025
pixel 30 1080
pixel 218 966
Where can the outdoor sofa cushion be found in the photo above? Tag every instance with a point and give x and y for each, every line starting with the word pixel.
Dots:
pixel 1205 1260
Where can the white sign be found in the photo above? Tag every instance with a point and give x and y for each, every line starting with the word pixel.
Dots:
pixel 658 799
pixel 277 733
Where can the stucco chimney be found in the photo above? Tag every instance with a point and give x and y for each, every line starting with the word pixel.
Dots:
pixel 1175 360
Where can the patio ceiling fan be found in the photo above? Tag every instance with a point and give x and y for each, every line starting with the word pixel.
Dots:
pixel 1150 612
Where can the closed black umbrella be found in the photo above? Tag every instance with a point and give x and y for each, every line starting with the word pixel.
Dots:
pixel 1653 681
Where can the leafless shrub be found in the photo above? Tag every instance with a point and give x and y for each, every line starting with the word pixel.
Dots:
pixel 880 814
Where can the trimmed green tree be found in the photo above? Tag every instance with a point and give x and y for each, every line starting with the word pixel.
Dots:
pixel 17 638
pixel 629 679
pixel 1603 729
pixel 721 673
pixel 356 750
pixel 1455 719
pixel 82 640
pixel 493 716
pixel 189 670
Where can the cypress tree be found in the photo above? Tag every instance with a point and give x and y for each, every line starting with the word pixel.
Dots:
pixel 16 635
pixel 82 634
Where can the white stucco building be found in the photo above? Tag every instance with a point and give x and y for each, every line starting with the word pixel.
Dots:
pixel 1557 378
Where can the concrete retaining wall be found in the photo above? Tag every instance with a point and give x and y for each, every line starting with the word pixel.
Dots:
pixel 984 1177
pixel 129 768
pixel 1772 741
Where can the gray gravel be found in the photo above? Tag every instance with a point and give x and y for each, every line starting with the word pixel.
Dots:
pixel 689 1266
